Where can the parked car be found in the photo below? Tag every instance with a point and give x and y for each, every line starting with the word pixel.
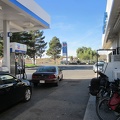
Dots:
pixel 98 67
pixel 13 90
pixel 47 74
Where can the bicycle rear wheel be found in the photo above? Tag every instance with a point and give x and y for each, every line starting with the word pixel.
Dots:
pixel 104 112
pixel 118 118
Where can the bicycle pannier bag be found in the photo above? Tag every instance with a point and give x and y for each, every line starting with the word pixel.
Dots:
pixel 114 101
pixel 94 86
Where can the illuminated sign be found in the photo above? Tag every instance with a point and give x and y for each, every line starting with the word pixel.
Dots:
pixel 9 34
pixel 64 49
pixel 18 47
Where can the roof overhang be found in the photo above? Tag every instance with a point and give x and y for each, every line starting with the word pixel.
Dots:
pixel 23 15
pixel 113 25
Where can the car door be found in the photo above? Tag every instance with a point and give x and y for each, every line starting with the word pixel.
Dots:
pixel 5 94
pixel 12 89
pixel 17 88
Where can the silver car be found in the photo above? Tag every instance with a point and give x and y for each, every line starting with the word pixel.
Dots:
pixel 98 67
pixel 47 74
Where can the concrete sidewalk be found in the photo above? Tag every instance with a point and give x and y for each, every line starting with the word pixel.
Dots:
pixel 90 113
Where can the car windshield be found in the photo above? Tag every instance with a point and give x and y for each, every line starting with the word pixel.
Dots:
pixel 100 64
pixel 46 69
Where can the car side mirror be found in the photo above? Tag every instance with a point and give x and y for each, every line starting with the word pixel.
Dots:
pixel 18 80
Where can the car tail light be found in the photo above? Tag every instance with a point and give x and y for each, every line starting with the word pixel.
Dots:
pixel 34 76
pixel 51 76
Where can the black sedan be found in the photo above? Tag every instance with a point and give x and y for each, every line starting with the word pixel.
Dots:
pixel 13 90
pixel 47 74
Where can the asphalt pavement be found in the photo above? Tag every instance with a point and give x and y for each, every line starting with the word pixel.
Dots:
pixel 90 113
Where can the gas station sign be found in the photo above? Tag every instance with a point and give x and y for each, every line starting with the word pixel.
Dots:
pixel 64 49
pixel 18 47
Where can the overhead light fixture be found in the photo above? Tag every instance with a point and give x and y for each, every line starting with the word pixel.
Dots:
pixel 21 14
pixel 28 24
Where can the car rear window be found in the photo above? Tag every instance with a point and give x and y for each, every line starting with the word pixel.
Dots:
pixel 100 64
pixel 46 69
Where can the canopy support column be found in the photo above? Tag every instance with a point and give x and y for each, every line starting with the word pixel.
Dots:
pixel 6 44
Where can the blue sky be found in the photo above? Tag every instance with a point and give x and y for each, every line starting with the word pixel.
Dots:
pixel 77 22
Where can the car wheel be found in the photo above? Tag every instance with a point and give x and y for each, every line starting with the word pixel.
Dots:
pixel 27 95
pixel 57 83
pixel 61 78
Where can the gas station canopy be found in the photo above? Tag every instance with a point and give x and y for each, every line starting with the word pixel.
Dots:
pixel 23 15
pixel 19 15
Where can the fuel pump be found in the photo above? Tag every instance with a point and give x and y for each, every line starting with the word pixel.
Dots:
pixel 17 59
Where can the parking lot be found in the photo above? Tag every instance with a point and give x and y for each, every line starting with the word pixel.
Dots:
pixel 68 101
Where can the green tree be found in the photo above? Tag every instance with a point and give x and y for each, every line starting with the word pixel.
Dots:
pixel 31 47
pixel 86 54
pixel 40 44
pixel 71 58
pixel 54 48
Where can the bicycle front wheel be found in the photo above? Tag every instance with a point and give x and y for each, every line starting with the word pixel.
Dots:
pixel 104 112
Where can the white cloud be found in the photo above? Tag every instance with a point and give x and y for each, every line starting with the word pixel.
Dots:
pixel 62 26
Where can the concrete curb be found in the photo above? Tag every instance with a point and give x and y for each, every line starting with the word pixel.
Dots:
pixel 90 113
